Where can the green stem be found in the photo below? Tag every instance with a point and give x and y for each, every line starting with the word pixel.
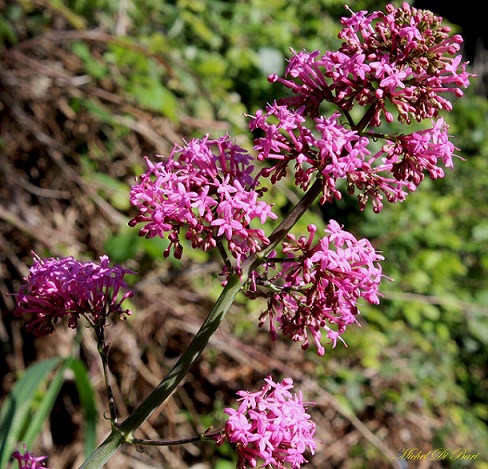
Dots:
pixel 102 351
pixel 105 451
pixel 161 392
pixel 289 221
pixel 208 435
pixel 122 434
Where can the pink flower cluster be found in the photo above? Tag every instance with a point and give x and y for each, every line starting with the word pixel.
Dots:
pixel 58 288
pixel 421 152
pixel 316 287
pixel 207 189
pixel 331 153
pixel 28 461
pixel 271 425
pixel 401 164
pixel 404 57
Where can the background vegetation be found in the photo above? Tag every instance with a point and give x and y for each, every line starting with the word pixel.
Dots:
pixel 87 88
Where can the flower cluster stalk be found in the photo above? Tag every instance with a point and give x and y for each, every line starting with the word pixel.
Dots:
pixel 122 434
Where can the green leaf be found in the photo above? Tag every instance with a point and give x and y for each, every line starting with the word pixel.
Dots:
pixel 88 403
pixel 99 111
pixel 152 95
pixel 412 315
pixel 16 407
pixel 42 410
pixel 123 246
pixel 117 191
pixel 94 68
pixel 22 418
pixel 224 464
pixel 7 32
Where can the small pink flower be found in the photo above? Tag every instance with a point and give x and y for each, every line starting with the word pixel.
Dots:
pixel 58 288
pixel 271 426
pixel 28 461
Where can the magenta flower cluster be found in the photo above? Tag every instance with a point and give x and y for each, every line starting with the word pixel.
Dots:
pixel 403 60
pixel 28 461
pixel 404 57
pixel 206 189
pixel 411 155
pixel 59 288
pixel 318 285
pixel 272 426
pixel 331 151
pixel 334 152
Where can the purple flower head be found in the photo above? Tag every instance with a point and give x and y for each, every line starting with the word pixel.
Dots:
pixel 333 152
pixel 403 60
pixel 401 165
pixel 58 288
pixel 316 288
pixel 272 426
pixel 28 461
pixel 420 152
pixel 205 189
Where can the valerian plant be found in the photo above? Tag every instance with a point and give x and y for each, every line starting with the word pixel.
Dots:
pixel 399 65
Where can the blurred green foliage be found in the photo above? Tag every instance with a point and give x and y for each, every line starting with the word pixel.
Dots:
pixel 27 407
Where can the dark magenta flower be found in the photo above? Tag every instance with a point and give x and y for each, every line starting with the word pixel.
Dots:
pixel 419 152
pixel 58 288
pixel 28 461
pixel 332 151
pixel 272 426
pixel 404 58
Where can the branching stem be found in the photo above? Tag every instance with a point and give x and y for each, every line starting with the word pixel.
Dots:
pixel 122 433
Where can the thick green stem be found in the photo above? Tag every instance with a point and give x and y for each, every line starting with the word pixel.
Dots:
pixel 186 361
pixel 105 451
pixel 122 434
